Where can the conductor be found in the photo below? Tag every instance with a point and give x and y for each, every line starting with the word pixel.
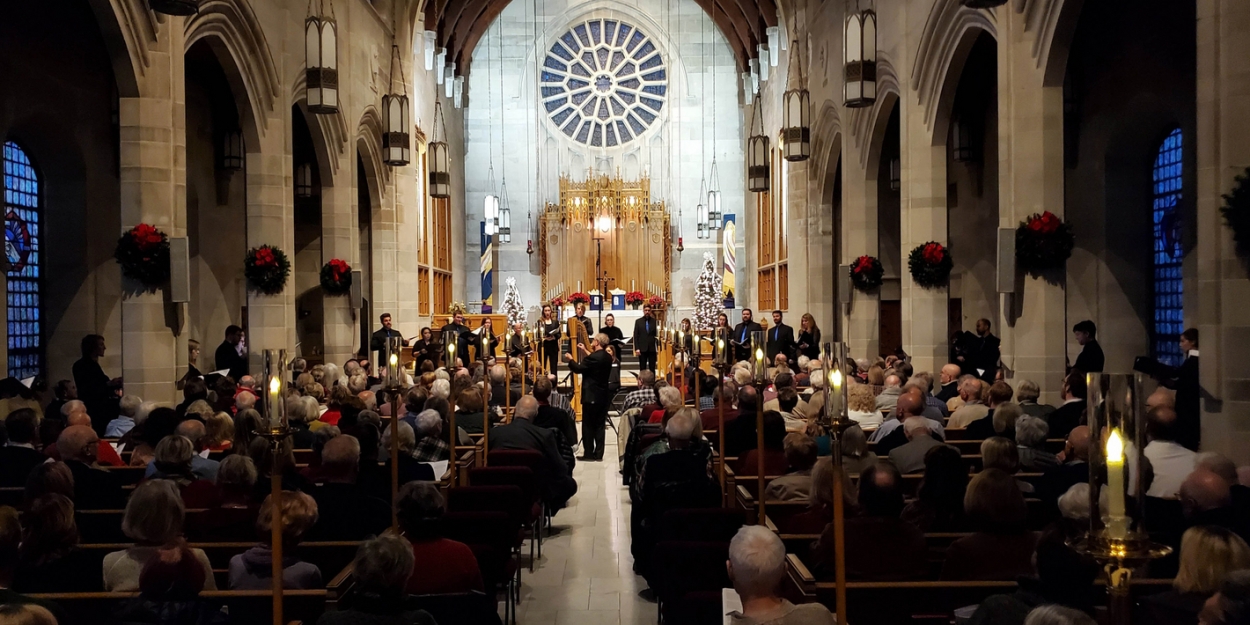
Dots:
pixel 595 367
pixel 378 342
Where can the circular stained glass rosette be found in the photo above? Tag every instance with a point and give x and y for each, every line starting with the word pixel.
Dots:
pixel 17 241
pixel 603 83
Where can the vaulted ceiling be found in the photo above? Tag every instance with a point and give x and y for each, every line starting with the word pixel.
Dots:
pixel 460 24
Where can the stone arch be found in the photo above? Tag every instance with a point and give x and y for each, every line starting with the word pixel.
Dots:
pixel 233 32
pixel 329 133
pixel 949 33
pixel 128 29
pixel 369 146
pixel 1053 23
pixel 869 123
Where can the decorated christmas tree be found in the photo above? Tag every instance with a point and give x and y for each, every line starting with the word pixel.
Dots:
pixel 707 295
pixel 512 306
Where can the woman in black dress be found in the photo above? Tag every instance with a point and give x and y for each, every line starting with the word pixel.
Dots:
pixel 614 335
pixel 550 328
pixel 809 337
pixel 688 342
pixel 425 350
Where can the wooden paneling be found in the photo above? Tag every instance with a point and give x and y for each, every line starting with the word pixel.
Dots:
pixel 783 286
pixel 423 287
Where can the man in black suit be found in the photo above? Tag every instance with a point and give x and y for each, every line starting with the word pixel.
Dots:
pixel 518 345
pixel 462 340
pixel 1091 358
pixel 378 342
pixel 551 417
pixel 19 457
pixel 780 339
pixel 346 511
pixel 1072 412
pixel 595 367
pixel 983 353
pixel 227 355
pixel 645 331
pixel 498 375
pixel 558 486
pixel 94 489
pixel 741 337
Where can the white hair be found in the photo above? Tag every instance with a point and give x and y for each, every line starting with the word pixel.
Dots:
pixel 1054 614
pixel 804 361
pixel 915 424
pixel 526 407
pixel 407 439
pixel 330 377
pixel 758 559
pixel 1074 504
pixel 429 422
pixel 680 427
pixel 441 374
pixel 1030 431
pixel 440 388
pixel 817 378
pixel 129 404
pixel 670 397
pixel 145 409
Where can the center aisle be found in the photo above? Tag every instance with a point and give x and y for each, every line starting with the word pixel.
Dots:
pixel 586 575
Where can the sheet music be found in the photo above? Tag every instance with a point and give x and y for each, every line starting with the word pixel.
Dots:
pixel 730 602
pixel 439 467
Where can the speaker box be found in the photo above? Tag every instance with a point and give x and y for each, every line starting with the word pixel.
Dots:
pixel 179 270
pixel 358 277
pixel 1006 260
pixel 844 284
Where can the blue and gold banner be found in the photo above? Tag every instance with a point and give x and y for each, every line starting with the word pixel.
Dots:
pixel 729 234
pixel 488 267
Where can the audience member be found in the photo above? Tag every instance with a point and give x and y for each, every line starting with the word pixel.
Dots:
pixel 1001 420
pixel 819 512
pixel 854 449
pixel 889 395
pixel 169 586
pixel 409 468
pixel 173 462
pixel 346 512
pixel 757 563
pixel 891 433
pixel 430 445
pixel 154 518
pixel 1063 581
pixel 551 417
pixel 19 456
pixel 234 519
pixel 1170 462
pixel 253 569
pixel 49 559
pixel 381 570
pixel 1027 394
pixel 973 409
pixel 125 421
pixel 774 454
pixel 47 479
pixel 10 541
pixel 557 480
pixel 1001 548
pixel 1071 412
pixel 939 503
pixel 670 403
pixel 1231 605
pixel 420 510
pixel 94 489
pixel 787 401
pixel 219 432
pixel 1208 554
pixel 879 546
pixel 1031 443
pixel 910 457
pixel 796 484
pixel 949 379
pixel 301 412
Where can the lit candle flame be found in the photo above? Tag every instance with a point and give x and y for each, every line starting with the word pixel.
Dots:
pixel 759 354
pixel 837 378
pixel 1115 447
pixel 394 360
pixel 720 344
pixel 275 385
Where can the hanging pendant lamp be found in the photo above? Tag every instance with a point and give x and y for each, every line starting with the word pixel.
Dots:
pixel 714 215
pixel 859 87
pixel 758 171
pixel 396 146
pixel 440 158
pixel 321 64
pixel 796 131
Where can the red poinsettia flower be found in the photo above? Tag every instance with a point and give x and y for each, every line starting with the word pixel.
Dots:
pixel 934 253
pixel 579 297
pixel 145 236
pixel 339 268
pixel 265 257
pixel 655 300
pixel 557 302
pixel 863 263
pixel 634 297
pixel 1046 223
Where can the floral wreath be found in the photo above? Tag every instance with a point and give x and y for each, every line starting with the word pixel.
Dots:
pixel 579 298
pixel 930 264
pixel 634 297
pixel 336 277
pixel 1236 212
pixel 1043 242
pixel 655 301
pixel 267 269
pixel 143 253
pixel 867 273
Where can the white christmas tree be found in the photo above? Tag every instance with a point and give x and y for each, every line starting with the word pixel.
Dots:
pixel 707 295
pixel 512 306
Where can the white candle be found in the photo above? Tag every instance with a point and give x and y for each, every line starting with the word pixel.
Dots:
pixel 1117 523
pixel 275 386
pixel 836 397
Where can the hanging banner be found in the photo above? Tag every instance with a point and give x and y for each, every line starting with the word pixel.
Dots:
pixel 488 277
pixel 729 234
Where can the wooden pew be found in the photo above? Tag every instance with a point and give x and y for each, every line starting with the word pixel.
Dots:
pixel 245 606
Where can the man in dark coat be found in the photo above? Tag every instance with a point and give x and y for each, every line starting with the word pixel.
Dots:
pixel 462 340
pixel 227 355
pixel 780 339
pixel 983 353
pixel 19 457
pixel 645 330
pixel 741 337
pixel 1071 412
pixel 378 342
pixel 596 368
pixel 95 389
pixel 94 489
pixel 555 480
pixel 1091 358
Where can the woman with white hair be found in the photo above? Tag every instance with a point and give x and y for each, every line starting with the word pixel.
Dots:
pixel 670 403
pixel 757 563
pixel 1031 440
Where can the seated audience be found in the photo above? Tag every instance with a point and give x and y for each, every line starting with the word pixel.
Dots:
pixel 757 563
pixel 106 455
pixel 879 546
pixel 381 571
pixel 169 588
pixel 234 518
pixel 469 413
pixel 670 403
pixel 740 432
pixel 551 417
pixel 10 553
pixel 1231 605
pixel 556 479
pixel 854 448
pixel 1208 554
pixel 219 432
pixel 1170 462
pixel 409 468
pixel 1001 421
pixel 125 421
pixel 819 512
pixel 787 401
pixel 1031 444
pixel 972 409
pixel 1002 454
pixel 774 455
pixel 939 503
pixel 893 387
pixel 247 428
pixel 94 488
pixel 891 433
pixel 420 509
pixel 47 479
pixel 796 484
pixel 301 412
pixel 173 462
pixel 948 382
pixel 1063 580
pixel 19 456
pixel 1002 547
pixel 1027 393
pixel 431 445
pixel 642 396
pixel 1074 469
pixel 910 457
pixel 253 569
pixel 346 511
pixel 1071 412
pixel 49 559
pixel 154 519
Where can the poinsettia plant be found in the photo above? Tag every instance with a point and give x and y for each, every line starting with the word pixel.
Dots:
pixel 336 277
pixel 634 298
pixel 143 253
pixel 655 301
pixel 930 264
pixel 557 302
pixel 1043 242
pixel 579 298
pixel 267 269
pixel 867 273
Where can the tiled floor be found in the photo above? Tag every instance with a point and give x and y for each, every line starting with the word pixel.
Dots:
pixel 586 574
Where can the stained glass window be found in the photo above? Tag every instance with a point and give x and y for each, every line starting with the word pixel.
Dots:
pixel 604 84
pixel 1169 309
pixel 21 246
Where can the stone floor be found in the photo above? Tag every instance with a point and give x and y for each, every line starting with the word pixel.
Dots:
pixel 586 575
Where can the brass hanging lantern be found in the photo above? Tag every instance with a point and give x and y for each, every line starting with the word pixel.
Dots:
pixel 396 146
pixel 321 61
pixel 232 150
pixel 304 181
pixel 440 159
pixel 758 170
pixel 796 129
pixel 859 58
pixel 714 215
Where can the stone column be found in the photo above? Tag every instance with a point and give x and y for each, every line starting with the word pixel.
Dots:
pixel 1223 147
pixel 800 238
pixel 270 220
pixel 339 230
pixel 859 237
pixel 820 281
pixel 1030 129
pixel 923 219
pixel 153 191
